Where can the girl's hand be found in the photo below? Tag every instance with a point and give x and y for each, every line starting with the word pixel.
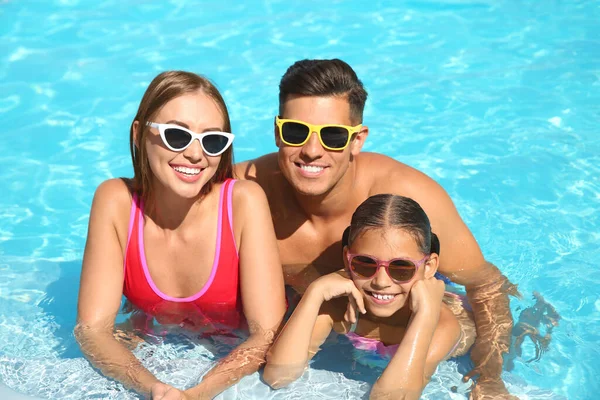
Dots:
pixel 334 285
pixel 426 296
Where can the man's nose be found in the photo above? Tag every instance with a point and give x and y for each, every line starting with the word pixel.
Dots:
pixel 312 148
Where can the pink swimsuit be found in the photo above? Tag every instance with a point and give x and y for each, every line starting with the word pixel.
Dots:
pixel 378 354
pixel 217 306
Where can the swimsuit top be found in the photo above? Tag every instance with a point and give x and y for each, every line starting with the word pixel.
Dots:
pixel 370 344
pixel 217 306
pixel 377 347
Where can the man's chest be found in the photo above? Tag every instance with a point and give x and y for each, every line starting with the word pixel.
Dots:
pixel 309 253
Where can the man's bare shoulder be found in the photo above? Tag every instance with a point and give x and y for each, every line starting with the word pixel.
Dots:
pixel 253 169
pixel 388 175
pixel 264 171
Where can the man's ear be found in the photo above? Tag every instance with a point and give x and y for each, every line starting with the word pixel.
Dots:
pixel 359 140
pixel 431 265
pixel 135 128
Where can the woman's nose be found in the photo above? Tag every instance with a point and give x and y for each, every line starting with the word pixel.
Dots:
pixel 194 151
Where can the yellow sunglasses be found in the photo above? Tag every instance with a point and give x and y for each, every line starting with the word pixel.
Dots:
pixel 333 137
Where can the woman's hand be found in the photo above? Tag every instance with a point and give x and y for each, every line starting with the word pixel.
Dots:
pixel 334 285
pixel 162 391
pixel 426 297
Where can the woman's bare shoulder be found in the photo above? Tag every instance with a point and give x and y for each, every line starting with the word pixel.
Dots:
pixel 113 193
pixel 112 202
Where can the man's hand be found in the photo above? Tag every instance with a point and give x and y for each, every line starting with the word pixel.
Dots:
pixel 488 389
pixel 491 362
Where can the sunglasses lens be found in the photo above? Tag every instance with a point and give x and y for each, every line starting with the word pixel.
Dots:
pixel 294 133
pixel 334 137
pixel 402 270
pixel 214 143
pixel 363 266
pixel 177 138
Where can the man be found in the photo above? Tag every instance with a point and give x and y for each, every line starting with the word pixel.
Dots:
pixel 318 178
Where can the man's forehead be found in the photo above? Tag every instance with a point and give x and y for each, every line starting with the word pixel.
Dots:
pixel 317 109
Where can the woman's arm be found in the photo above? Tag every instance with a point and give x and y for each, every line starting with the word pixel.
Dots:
pixel 262 290
pixel 308 327
pixel 101 289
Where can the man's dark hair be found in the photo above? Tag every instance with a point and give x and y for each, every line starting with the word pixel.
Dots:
pixel 324 78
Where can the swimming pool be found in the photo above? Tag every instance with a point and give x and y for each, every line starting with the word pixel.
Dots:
pixel 497 100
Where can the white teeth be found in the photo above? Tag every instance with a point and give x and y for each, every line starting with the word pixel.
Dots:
pixel 312 168
pixel 187 171
pixel 383 296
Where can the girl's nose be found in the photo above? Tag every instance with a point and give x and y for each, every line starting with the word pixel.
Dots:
pixel 381 279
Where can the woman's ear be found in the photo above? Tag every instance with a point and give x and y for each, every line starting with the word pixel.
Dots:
pixel 431 265
pixel 135 128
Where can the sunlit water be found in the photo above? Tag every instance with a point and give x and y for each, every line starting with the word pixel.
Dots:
pixel 497 100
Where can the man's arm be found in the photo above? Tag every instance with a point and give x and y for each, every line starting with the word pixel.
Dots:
pixel 487 289
pixel 462 261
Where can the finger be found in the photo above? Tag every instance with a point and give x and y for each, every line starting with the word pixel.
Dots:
pixel 159 390
pixel 351 309
pixel 347 313
pixel 359 301
pixel 173 394
pixel 470 374
pixel 158 396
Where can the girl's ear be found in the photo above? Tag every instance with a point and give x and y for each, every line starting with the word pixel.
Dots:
pixel 431 265
pixel 135 128
pixel 345 257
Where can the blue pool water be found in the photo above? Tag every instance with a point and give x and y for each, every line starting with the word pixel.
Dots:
pixel 498 100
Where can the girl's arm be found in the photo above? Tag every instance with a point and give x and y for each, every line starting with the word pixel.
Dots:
pixel 427 340
pixel 308 327
pixel 262 291
pixel 101 289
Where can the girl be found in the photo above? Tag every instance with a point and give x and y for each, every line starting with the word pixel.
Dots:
pixel 186 244
pixel 391 257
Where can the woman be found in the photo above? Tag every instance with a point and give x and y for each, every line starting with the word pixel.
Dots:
pixel 184 242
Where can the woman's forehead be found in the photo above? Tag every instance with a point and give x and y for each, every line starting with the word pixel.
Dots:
pixel 192 109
